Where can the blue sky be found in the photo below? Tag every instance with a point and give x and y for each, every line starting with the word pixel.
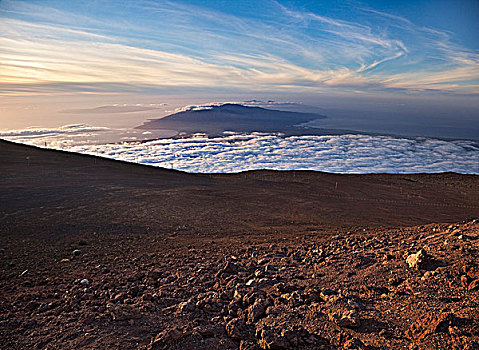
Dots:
pixel 146 47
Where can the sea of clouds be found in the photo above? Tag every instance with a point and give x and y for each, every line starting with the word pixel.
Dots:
pixel 352 153
pixel 337 154
pixel 68 136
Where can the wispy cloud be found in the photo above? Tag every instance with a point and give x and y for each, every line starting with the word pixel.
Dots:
pixel 178 45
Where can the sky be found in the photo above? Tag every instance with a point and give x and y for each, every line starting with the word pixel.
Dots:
pixel 58 54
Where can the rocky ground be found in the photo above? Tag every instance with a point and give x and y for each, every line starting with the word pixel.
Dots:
pixel 226 277
pixel 412 288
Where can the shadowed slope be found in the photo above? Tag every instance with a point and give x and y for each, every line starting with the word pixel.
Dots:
pixel 53 192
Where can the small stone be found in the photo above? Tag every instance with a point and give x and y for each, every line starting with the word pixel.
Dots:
pixel 395 281
pixel 384 333
pixel 474 285
pixel 230 268
pixel 165 339
pixel 327 294
pixel 345 318
pixel 235 327
pixel 465 281
pixel 154 275
pixel 251 283
pixel 427 275
pixel 256 311
pixel 43 307
pixel 84 281
pixel 271 339
pixel 186 306
pixel 354 344
pixel 123 312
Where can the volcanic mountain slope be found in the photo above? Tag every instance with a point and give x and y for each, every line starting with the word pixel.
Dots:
pixel 97 253
pixel 233 117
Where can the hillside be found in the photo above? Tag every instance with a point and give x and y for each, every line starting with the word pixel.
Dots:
pixel 97 253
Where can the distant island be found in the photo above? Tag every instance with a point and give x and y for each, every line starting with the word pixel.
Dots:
pixel 214 120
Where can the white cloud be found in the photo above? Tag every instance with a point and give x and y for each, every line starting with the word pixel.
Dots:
pixel 68 136
pixel 337 154
pixel 39 132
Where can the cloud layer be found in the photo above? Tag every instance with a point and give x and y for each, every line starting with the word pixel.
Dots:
pixel 352 154
pixel 51 132
pixel 68 136
pixel 337 154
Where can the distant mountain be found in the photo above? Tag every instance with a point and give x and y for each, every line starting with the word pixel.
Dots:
pixel 232 117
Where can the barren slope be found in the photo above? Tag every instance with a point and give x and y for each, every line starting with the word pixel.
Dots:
pixel 261 259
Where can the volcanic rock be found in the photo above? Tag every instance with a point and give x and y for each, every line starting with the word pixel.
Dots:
pixel 165 339
pixel 345 318
pixel 418 260
pixel 122 312
pixel 256 310
pixel 271 339
pixel 354 344
pixel 429 323
pixel 187 306
pixel 235 328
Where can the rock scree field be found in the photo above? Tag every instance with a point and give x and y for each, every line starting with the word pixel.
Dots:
pixel 102 254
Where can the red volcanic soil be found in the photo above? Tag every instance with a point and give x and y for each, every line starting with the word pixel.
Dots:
pixel 96 253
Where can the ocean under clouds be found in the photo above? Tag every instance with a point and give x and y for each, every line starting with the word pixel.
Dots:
pixel 351 153
pixel 68 136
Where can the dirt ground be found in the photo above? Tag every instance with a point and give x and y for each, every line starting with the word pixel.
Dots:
pixel 97 253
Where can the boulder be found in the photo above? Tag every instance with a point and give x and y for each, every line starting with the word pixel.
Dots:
pixel 418 260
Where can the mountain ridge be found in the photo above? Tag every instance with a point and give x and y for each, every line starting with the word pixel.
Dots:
pixel 233 117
